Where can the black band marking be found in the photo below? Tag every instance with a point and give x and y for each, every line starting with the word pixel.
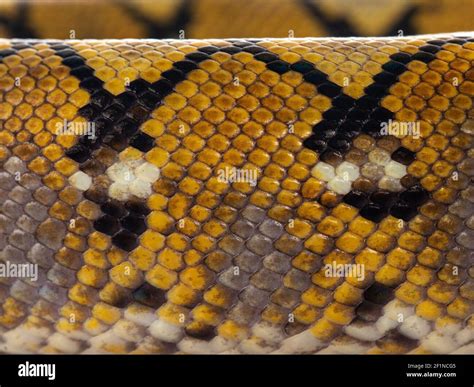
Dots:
pixel 118 118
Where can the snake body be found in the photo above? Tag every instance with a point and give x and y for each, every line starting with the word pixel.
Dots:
pixel 237 196
pixel 205 19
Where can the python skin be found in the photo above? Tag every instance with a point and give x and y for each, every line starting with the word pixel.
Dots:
pixel 205 19
pixel 237 196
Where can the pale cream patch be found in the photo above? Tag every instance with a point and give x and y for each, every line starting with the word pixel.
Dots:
pixel 132 178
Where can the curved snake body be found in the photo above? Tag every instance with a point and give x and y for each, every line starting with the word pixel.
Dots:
pixel 237 196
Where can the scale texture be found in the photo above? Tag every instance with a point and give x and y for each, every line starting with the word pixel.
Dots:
pixel 141 244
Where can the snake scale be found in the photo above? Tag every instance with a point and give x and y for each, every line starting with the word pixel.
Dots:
pixel 306 195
